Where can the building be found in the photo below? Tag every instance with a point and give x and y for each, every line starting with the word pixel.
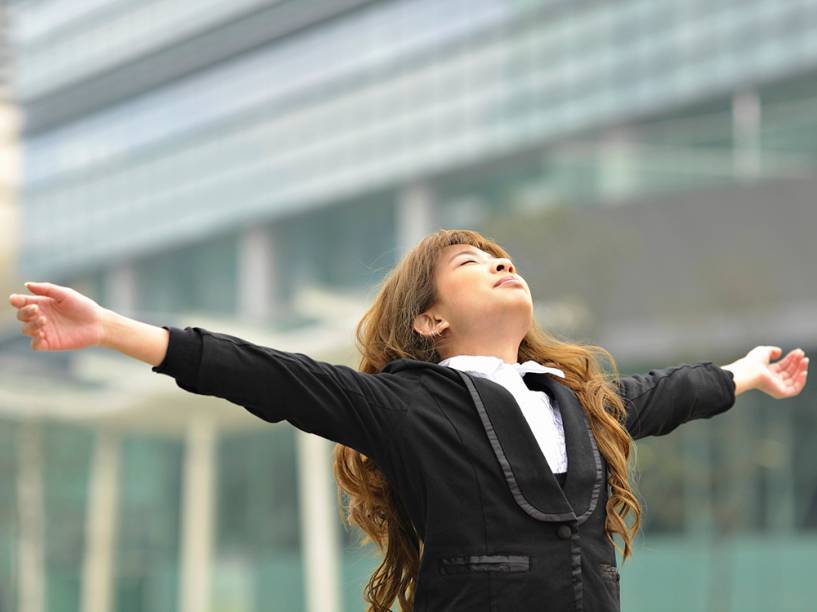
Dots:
pixel 9 169
pixel 255 166
pixel 9 219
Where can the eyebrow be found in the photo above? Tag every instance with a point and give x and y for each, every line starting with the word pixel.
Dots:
pixel 463 253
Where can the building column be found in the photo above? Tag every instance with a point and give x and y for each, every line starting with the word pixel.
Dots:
pixel 415 216
pixel 101 524
pixel 617 177
pixel 746 134
pixel 319 523
pixel 120 289
pixel 10 211
pixel 197 516
pixel 256 275
pixel 30 510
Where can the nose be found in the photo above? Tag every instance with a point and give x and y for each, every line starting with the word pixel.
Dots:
pixel 504 264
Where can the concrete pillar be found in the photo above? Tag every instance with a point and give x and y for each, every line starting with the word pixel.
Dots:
pixel 10 212
pixel 319 523
pixel 30 519
pixel 120 289
pixel 256 275
pixel 746 130
pixel 415 216
pixel 618 166
pixel 101 524
pixel 198 516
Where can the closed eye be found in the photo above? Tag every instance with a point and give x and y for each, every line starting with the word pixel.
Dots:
pixel 468 261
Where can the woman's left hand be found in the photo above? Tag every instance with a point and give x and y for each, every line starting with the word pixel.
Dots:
pixel 781 379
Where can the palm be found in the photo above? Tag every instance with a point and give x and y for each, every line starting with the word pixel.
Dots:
pixel 784 378
pixel 59 318
pixel 69 324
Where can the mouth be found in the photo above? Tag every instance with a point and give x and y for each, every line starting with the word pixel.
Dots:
pixel 507 279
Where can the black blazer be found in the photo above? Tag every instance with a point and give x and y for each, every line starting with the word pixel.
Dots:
pixel 499 532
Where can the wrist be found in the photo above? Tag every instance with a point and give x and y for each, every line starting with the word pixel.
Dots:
pixel 110 320
pixel 133 338
pixel 744 373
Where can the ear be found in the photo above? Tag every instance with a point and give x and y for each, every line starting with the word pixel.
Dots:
pixel 429 324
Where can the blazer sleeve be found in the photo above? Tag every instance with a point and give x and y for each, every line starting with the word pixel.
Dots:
pixel 335 402
pixel 662 399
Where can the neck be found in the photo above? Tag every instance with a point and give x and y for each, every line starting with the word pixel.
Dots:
pixel 509 353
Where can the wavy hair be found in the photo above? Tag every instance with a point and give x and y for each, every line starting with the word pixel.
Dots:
pixel 385 333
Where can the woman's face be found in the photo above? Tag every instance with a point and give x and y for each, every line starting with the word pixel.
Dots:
pixel 472 305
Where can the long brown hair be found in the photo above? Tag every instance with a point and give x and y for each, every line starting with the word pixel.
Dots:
pixel 384 333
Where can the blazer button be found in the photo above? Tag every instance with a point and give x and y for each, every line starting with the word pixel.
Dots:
pixel 564 531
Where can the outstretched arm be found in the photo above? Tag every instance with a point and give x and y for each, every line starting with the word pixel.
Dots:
pixel 336 402
pixel 662 399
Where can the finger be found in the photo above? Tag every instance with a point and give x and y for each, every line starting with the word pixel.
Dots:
pixel 799 382
pixel 27 312
pixel 39 343
pixel 19 300
pixel 797 377
pixel 34 327
pixel 51 290
pixel 793 365
pixel 777 366
pixel 786 362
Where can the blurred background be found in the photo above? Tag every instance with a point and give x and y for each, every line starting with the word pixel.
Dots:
pixel 256 167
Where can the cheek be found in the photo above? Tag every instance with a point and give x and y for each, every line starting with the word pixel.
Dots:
pixel 475 295
pixel 463 292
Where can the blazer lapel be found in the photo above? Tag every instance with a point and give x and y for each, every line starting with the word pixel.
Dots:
pixel 527 472
pixel 584 467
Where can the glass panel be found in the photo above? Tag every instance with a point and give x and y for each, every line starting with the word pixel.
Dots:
pixel 67 452
pixel 258 525
pixel 148 537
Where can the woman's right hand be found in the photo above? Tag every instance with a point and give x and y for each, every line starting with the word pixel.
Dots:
pixel 58 318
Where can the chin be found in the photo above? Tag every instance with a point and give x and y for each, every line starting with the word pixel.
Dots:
pixel 521 297
pixel 522 305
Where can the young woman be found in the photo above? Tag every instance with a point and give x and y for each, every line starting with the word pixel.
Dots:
pixel 486 458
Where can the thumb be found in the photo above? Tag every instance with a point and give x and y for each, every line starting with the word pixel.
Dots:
pixel 774 352
pixel 47 289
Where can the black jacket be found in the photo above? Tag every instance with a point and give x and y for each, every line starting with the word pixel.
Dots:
pixel 499 532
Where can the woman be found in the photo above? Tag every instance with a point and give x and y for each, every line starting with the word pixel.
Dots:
pixel 485 457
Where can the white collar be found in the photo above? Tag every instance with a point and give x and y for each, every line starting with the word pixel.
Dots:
pixel 488 364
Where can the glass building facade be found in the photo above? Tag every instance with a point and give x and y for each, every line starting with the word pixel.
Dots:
pixel 279 128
